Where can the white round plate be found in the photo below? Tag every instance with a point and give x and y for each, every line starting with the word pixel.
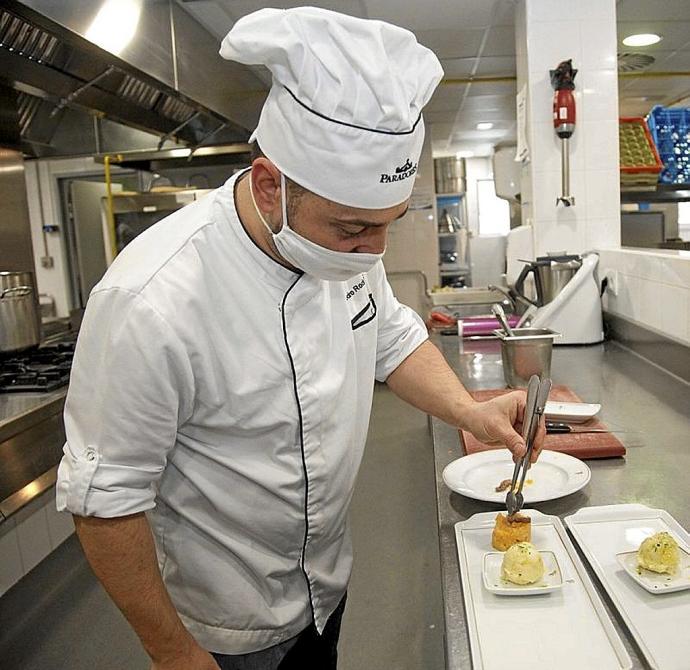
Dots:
pixel 553 476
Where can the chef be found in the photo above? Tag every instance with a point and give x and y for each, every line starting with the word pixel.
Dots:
pixel 222 384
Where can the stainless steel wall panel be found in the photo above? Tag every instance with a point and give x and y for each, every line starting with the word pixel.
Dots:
pixel 16 252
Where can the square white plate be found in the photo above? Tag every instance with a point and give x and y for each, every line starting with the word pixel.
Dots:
pixel 572 613
pixel 606 531
pixel 491 573
pixel 571 412
pixel 653 582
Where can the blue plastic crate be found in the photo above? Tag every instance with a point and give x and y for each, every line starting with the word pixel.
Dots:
pixel 670 128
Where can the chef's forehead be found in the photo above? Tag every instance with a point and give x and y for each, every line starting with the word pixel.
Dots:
pixel 356 215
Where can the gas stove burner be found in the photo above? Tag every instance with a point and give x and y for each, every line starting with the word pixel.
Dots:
pixel 39 370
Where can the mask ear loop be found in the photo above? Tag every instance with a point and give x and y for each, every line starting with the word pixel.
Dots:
pixel 283 199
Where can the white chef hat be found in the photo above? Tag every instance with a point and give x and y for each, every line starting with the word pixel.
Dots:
pixel 343 116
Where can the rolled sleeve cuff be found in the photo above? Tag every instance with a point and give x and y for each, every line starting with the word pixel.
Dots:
pixel 87 487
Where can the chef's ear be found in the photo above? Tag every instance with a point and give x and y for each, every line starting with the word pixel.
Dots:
pixel 265 178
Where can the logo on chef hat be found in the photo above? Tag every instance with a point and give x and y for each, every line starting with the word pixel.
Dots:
pixel 404 171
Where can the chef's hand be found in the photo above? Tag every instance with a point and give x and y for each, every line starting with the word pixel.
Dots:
pixel 499 421
pixel 196 659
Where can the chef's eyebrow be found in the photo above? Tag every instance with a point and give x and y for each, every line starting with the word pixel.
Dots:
pixel 368 224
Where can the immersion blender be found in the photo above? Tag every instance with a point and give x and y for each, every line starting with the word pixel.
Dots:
pixel 562 80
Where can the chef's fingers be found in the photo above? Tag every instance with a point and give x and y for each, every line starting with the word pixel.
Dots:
pixel 520 398
pixel 539 440
pixel 511 439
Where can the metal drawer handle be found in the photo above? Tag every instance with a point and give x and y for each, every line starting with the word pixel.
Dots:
pixel 17 291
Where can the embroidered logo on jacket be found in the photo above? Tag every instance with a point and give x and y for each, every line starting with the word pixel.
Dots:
pixel 365 315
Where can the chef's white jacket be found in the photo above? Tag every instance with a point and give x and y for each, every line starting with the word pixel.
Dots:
pixel 230 398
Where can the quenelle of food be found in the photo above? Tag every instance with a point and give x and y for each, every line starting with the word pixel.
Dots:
pixel 510 530
pixel 659 553
pixel 522 564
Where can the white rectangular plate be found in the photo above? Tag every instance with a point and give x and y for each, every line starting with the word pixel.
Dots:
pixel 654 582
pixel 659 624
pixel 571 412
pixel 555 622
pixel 494 582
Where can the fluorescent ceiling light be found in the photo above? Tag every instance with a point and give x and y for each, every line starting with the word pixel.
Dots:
pixel 464 154
pixel 485 125
pixel 115 25
pixel 641 40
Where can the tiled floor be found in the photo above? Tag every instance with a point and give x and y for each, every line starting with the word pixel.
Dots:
pixel 59 618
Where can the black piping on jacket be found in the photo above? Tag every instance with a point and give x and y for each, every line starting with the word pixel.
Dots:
pixel 301 441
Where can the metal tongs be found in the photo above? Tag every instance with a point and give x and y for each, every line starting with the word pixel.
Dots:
pixel 537 395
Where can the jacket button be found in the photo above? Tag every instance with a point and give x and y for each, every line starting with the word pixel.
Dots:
pixel 90 455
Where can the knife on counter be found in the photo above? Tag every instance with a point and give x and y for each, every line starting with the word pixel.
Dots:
pixel 556 428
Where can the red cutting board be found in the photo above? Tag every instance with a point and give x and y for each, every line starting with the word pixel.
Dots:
pixel 587 445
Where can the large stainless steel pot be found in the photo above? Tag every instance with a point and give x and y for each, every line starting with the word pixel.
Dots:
pixel 20 326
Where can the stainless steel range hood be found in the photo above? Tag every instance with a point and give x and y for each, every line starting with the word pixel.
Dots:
pixel 226 155
pixel 168 79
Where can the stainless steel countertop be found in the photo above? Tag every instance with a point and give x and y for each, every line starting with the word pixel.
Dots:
pixel 19 411
pixel 636 396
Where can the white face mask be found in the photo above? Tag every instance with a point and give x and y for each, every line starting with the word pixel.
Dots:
pixel 310 257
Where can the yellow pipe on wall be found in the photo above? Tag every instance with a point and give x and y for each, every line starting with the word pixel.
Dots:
pixel 109 194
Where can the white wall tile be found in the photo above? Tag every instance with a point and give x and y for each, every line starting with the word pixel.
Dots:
pixel 11 570
pixel 669 270
pixel 677 271
pixel 600 140
pixel 643 266
pixel 550 42
pixel 60 525
pixel 656 266
pixel 594 10
pixel 34 539
pixel 600 40
pixel 602 193
pixel 599 95
pixel 603 233
pixel 547 188
pixel 555 236
pixel 650 303
pixel 628 291
pixel 674 302
pixel 554 10
pixel 650 299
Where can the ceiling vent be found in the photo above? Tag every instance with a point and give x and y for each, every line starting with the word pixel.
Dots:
pixel 631 61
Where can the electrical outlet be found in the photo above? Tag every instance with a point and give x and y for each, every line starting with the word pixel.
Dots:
pixel 612 286
pixel 47 262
